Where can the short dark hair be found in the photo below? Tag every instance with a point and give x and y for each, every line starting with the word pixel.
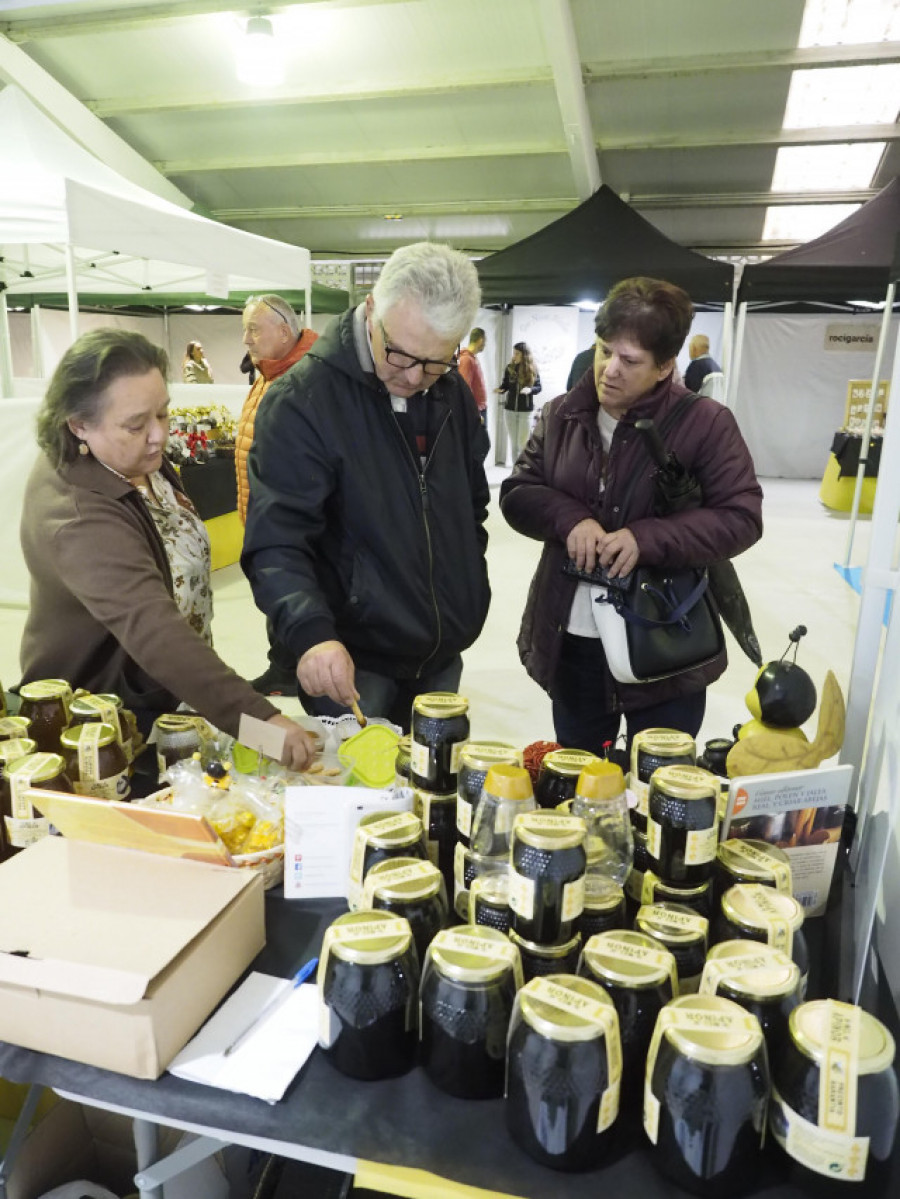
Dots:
pixel 84 372
pixel 656 314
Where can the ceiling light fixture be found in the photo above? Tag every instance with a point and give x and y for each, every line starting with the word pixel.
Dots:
pixel 260 57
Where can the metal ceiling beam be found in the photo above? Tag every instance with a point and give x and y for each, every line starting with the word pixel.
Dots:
pixel 316 158
pixel 562 50
pixel 799 59
pixel 539 204
pixel 136 16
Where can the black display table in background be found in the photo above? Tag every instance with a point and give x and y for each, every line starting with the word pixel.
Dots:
pixel 211 486
pixel 846 448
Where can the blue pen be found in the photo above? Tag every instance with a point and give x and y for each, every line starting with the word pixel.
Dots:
pixel 274 1003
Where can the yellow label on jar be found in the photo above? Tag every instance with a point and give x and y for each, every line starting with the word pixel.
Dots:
pixel 367 930
pixel 393 878
pixel 654 838
pixel 89 755
pixel 627 951
pixel 113 788
pixel 22 833
pixel 464 816
pixel 749 967
pixel 839 1077
pixel 651 1113
pixel 521 895
pixel 779 932
pixel 641 791
pixel 419 759
pixel 455 754
pixel 752 855
pixel 634 885
pixel 688 922
pixel 21 779
pixel 701 845
pixel 829 1153
pixel 573 899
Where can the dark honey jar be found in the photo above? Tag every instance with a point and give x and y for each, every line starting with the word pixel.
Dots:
pixel 539 960
pixel 440 730
pixel 604 906
pixel 438 816
pixel 106 709
pixel 547 869
pixel 835 1105
pixel 751 911
pixel 558 777
pixel 563 1073
pixel 469 983
pixel 413 889
pixel 683 824
pixel 368 981
pixel 750 861
pixel 475 761
pixel 10 751
pixel 24 824
pixel 705 1096
pixel 46 704
pixel 381 835
pixel 683 933
pixel 95 761
pixel 640 978
pixel 715 756
pixel 13 728
pixel 650 749
pixel 764 981
pixel 489 901
pixel 698 899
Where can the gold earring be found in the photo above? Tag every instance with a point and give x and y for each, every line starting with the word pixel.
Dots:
pixel 83 449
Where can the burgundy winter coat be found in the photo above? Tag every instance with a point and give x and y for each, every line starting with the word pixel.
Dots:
pixel 556 483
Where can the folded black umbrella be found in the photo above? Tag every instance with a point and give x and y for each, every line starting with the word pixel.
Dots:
pixel 677 490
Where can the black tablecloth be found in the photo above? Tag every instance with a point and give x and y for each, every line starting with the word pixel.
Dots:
pixel 846 448
pixel 404 1122
pixel 211 486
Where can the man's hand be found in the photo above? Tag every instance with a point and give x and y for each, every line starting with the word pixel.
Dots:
pixel 618 552
pixel 300 747
pixel 583 543
pixel 327 669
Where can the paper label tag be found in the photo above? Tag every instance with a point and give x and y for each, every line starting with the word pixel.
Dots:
pixel 521 895
pixel 22 833
pixel 420 759
pixel 262 736
pixel 456 754
pixel 573 899
pixel 839 1072
pixel 20 780
pixel 676 922
pixel 464 816
pixel 641 792
pixel 393 878
pixel 651 1114
pixel 89 754
pixel 780 934
pixel 627 951
pixel 654 838
pixel 701 846
pixel 752 855
pixel 829 1153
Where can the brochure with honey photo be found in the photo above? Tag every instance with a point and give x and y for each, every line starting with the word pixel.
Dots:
pixel 802 812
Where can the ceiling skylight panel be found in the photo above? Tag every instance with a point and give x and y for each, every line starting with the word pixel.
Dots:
pixel 867 95
pixel 826 168
pixel 849 22
pixel 803 222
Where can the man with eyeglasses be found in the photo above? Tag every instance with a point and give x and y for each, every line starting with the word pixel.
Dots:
pixel 275 342
pixel 365 541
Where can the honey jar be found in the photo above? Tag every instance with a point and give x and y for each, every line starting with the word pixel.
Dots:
pixel 95 760
pixel 46 704
pixel 683 933
pixel 381 835
pixel 650 749
pixel 682 824
pixel 413 889
pixel 755 912
pixel 558 777
pixel 547 869
pixel 475 761
pixel 107 709
pixel 25 825
pixel 440 730
pixel 761 979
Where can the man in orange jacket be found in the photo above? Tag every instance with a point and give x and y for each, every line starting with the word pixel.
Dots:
pixel 274 341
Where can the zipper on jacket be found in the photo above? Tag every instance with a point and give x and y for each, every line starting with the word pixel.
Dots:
pixel 426 507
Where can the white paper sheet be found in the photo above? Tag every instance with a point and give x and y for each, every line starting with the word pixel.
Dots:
pixel 266 1061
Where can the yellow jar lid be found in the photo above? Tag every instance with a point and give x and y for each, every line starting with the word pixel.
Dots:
pixel 567 762
pixel 565 1007
pixel 71 737
pixel 711 1029
pixel 15 748
pixel 809 1028
pixel 544 829
pixel 46 689
pixel 600 780
pixel 472 953
pixel 685 782
pixel 509 782
pixel 482 755
pixel 440 703
pixel 368 937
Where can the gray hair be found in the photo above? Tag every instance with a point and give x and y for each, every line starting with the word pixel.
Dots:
pixel 279 305
pixel 442 281
pixel 84 372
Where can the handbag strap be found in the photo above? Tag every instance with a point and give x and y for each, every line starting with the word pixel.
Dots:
pixel 678 610
pixel 668 422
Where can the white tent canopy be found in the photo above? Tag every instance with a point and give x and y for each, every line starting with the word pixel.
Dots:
pixel 68 222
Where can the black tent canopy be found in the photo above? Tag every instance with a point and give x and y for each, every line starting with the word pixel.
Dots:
pixel 852 261
pixel 581 255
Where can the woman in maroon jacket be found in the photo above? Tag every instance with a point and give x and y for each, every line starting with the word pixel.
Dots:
pixel 566 490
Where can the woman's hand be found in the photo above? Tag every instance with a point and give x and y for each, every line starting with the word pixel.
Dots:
pixel 584 541
pixel 618 552
pixel 300 747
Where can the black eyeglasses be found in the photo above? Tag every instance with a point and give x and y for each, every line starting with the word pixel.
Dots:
pixel 281 315
pixel 432 367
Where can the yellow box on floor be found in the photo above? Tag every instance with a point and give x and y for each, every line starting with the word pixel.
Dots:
pixel 115 956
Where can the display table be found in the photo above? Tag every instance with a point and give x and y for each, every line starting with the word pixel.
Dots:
pixel 839 480
pixel 212 489
pixel 387 1133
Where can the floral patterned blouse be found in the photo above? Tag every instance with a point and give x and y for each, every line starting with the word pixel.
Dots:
pixel 186 544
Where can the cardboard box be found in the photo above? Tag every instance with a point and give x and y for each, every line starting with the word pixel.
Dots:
pixel 114 956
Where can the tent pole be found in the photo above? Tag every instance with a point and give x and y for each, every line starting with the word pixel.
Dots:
pixel 870 412
pixel 731 378
pixel 307 319
pixel 6 366
pixel 72 290
pixel 37 342
pixel 727 336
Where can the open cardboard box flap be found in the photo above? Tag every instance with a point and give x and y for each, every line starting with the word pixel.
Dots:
pixel 80 918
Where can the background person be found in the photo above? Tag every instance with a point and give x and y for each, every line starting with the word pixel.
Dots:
pixel 194 367
pixel 702 363
pixel 470 369
pixel 119 560
pixel 275 342
pixel 365 538
pixel 521 383
pixel 566 489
